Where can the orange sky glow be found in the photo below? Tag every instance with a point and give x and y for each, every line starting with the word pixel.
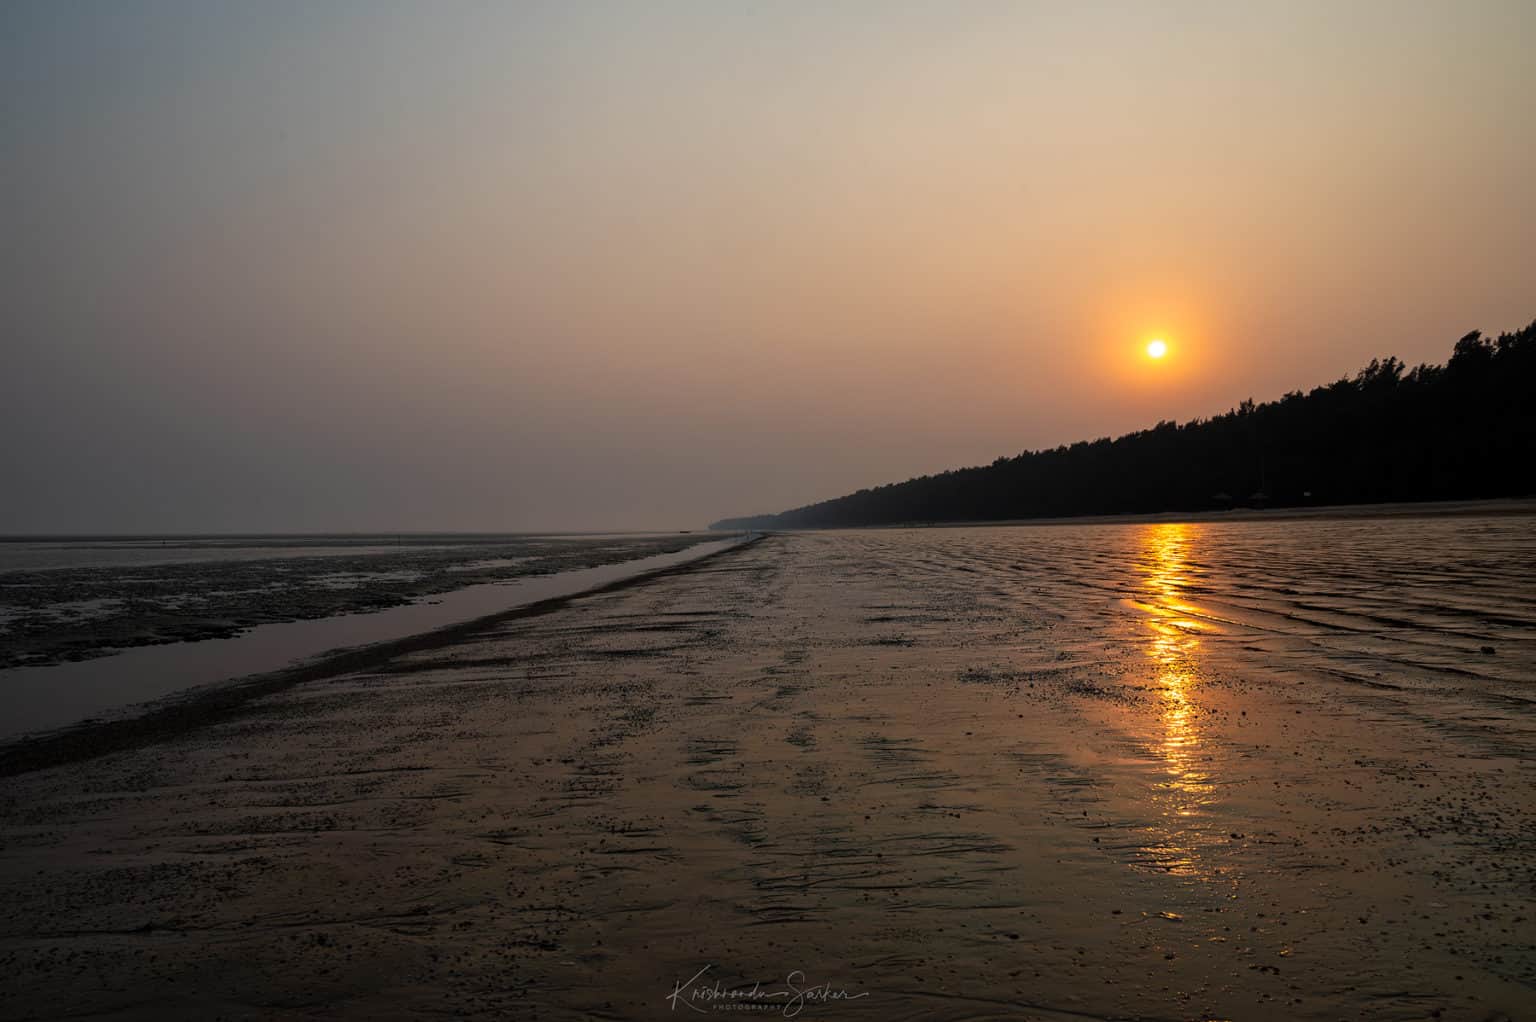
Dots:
pixel 372 265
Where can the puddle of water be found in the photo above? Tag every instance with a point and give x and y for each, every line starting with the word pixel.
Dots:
pixel 43 698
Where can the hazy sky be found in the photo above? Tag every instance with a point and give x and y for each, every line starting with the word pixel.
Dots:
pixel 335 265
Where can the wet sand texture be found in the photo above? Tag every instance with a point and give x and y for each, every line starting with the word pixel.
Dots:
pixel 76 613
pixel 160 680
pixel 1146 772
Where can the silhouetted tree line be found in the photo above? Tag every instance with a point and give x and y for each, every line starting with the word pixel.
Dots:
pixel 1463 430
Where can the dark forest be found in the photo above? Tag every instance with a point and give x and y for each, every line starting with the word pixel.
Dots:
pixel 1462 430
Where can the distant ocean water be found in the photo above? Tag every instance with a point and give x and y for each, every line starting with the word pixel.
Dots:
pixel 43 553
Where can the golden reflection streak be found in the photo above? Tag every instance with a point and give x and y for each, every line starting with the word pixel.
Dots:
pixel 1175 652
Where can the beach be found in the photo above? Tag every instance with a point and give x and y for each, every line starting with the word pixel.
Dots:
pixel 72 599
pixel 200 620
pixel 1161 771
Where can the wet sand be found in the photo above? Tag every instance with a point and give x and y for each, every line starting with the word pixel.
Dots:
pixel 1132 772
pixel 115 694
pixel 70 601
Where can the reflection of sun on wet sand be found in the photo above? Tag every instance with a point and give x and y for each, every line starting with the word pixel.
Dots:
pixel 1174 651
pixel 956 771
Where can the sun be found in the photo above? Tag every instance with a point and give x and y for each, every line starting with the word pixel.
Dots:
pixel 1157 348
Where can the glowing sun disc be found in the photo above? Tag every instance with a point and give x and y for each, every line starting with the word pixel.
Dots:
pixel 1157 349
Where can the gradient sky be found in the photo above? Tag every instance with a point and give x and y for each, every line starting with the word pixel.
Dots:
pixel 320 266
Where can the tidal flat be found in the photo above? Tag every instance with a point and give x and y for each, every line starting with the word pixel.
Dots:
pixel 77 599
pixel 1160 771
